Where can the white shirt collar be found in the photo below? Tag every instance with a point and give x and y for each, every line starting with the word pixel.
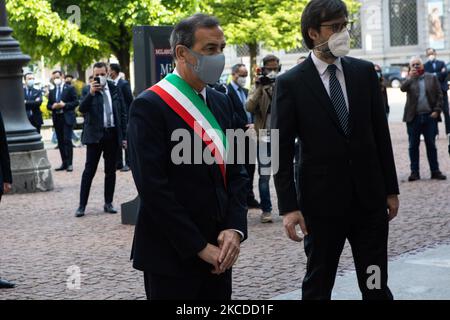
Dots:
pixel 203 92
pixel 322 66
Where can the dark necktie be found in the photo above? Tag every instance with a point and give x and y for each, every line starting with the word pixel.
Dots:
pixel 58 93
pixel 203 99
pixel 338 100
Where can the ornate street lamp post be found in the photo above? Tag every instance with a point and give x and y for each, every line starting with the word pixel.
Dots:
pixel 29 162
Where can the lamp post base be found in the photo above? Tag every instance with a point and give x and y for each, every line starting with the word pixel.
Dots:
pixel 31 172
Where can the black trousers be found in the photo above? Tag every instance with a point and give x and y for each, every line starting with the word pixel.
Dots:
pixel 108 145
pixel 120 163
pixel 205 287
pixel 367 235
pixel 445 111
pixel 64 136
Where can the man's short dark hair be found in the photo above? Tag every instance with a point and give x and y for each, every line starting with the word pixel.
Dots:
pixel 100 65
pixel 318 11
pixel 236 67
pixel 430 49
pixel 57 71
pixel 25 75
pixel 115 67
pixel 269 58
pixel 69 76
pixel 184 32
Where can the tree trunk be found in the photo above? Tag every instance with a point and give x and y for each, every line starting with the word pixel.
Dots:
pixel 253 47
pixel 81 73
pixel 121 49
pixel 123 55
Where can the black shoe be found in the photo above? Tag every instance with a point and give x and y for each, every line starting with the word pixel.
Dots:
pixel 80 212
pixel 69 168
pixel 252 203
pixel 414 176
pixel 108 207
pixel 6 285
pixel 438 176
pixel 62 168
pixel 125 169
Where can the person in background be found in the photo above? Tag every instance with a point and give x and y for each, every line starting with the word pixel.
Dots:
pixel 422 109
pixel 68 79
pixel 244 120
pixel 104 133
pixel 5 180
pixel 439 69
pixel 127 95
pixel 62 101
pixel 258 103
pixel 384 95
pixel 33 101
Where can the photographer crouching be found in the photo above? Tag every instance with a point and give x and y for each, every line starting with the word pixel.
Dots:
pixel 258 103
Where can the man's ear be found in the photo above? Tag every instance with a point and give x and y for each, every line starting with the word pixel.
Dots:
pixel 180 53
pixel 313 34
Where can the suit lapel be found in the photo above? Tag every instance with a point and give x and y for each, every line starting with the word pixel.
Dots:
pixel 315 83
pixel 352 86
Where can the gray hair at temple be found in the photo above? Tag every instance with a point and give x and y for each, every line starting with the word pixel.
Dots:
pixel 184 32
pixel 415 58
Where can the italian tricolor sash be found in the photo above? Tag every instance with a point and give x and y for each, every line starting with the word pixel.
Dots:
pixel 184 100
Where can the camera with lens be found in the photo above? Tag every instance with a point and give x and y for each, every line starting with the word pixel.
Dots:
pixel 265 76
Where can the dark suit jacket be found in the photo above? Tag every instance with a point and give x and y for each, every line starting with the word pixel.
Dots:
pixel 33 103
pixel 183 207
pixel 5 167
pixel 127 95
pixel 333 167
pixel 440 72
pixel 92 109
pixel 433 92
pixel 69 96
pixel 239 109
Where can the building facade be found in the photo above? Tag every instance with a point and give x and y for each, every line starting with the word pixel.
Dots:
pixel 386 32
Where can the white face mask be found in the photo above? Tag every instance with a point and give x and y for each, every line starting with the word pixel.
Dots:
pixel 338 43
pixel 431 57
pixel 57 81
pixel 30 83
pixel 241 81
pixel 272 74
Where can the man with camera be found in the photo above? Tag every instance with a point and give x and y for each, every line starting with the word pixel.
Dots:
pixel 103 132
pixel 258 103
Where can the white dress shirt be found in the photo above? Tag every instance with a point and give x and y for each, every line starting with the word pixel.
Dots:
pixel 322 66
pixel 105 116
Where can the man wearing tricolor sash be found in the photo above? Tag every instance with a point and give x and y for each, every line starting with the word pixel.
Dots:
pixel 192 216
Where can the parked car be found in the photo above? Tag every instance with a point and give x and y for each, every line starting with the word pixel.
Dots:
pixel 394 75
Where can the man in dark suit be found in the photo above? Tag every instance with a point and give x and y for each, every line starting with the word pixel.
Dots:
pixel 104 132
pixel 348 180
pixel 439 69
pixel 62 101
pixel 33 101
pixel 5 179
pixel 125 89
pixel 244 120
pixel 192 215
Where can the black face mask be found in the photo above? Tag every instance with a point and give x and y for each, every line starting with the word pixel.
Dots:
pixel 69 82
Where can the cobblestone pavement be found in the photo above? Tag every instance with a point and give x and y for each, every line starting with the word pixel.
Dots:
pixel 40 239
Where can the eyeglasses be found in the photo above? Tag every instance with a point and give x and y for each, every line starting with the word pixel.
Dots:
pixel 338 27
